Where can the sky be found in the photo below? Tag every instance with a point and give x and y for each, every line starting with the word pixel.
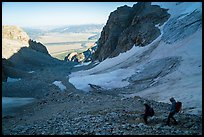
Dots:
pixel 27 14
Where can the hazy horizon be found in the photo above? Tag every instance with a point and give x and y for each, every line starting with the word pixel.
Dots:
pixel 39 14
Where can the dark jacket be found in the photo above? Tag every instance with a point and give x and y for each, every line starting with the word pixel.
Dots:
pixel 147 108
pixel 173 106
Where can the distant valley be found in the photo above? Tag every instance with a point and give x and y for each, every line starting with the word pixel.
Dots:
pixel 63 40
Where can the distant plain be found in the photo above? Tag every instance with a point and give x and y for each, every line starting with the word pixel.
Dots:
pixel 61 41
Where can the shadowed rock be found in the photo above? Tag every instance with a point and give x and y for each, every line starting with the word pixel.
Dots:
pixel 127 26
pixel 37 46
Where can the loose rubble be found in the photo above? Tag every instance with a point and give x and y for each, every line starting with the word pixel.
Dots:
pixel 97 114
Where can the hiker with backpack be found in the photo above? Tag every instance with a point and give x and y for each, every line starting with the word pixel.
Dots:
pixel 148 112
pixel 175 108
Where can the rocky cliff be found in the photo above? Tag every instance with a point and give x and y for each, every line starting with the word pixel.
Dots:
pixel 14 38
pixel 127 26
pixel 15 33
pixel 20 53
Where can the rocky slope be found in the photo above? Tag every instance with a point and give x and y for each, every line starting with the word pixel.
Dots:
pixel 76 113
pixel 128 26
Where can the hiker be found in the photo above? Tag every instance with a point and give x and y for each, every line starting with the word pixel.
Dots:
pixel 148 112
pixel 173 111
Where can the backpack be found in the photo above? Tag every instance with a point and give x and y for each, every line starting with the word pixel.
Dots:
pixel 178 106
pixel 151 112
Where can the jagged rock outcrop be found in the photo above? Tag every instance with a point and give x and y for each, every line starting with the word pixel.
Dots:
pixel 127 26
pixel 81 57
pixel 37 46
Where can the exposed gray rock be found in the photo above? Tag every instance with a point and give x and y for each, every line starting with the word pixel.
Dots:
pixel 128 26
pixel 37 46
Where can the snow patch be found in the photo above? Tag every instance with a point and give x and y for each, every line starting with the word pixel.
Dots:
pixel 83 64
pixel 13 79
pixel 60 85
pixel 157 25
pixel 31 71
pixel 113 79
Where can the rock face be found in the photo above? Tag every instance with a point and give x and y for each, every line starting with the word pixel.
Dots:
pixel 128 26
pixel 20 53
pixel 81 57
pixel 15 33
pixel 37 46
pixel 14 38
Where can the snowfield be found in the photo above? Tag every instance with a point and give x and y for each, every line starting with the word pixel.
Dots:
pixel 185 83
pixel 109 73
